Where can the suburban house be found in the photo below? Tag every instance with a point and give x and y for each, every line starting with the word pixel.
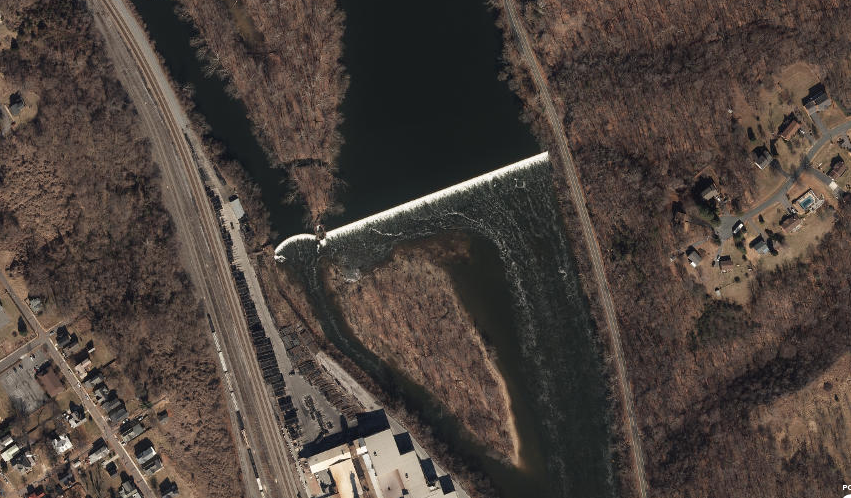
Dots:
pixel 111 404
pixel 75 415
pixel 98 452
pixel 118 414
pixel 130 430
pixel 693 256
pixel 761 246
pixel 789 128
pixel 709 192
pixel 791 224
pixel 93 379
pixel 65 476
pixel 146 453
pixel 153 465
pixel 817 100
pixel 128 490
pixel 61 444
pixel 168 489
pixel 725 263
pixel 761 157
pixel 837 169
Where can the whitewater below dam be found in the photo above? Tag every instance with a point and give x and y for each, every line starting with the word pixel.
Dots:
pixel 559 397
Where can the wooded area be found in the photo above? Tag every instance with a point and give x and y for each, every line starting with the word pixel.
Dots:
pixel 282 58
pixel 81 209
pixel 645 88
pixel 406 311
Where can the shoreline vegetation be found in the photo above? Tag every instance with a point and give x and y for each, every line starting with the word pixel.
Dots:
pixel 645 110
pixel 453 359
pixel 314 183
pixel 283 60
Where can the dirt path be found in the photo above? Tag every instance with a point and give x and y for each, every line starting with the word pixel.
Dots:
pixel 578 196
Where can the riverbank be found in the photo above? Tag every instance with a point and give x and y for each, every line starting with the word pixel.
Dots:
pixel 549 338
pixel 407 310
pixel 284 61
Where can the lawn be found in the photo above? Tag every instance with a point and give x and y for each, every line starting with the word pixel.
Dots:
pixel 833 117
pixel 10 339
pixel 795 245
pixel 736 291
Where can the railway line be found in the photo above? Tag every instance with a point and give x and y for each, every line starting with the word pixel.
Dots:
pixel 265 452
pixel 590 236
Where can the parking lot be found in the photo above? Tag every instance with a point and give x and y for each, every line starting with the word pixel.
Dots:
pixel 19 382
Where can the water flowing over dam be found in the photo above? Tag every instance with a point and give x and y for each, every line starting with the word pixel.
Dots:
pixel 563 412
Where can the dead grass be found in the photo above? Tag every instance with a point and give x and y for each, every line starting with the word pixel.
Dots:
pixel 833 116
pixel 767 181
pixel 730 289
pixel 795 245
pixel 822 160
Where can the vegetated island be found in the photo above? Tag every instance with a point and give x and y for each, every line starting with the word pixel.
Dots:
pixel 282 59
pixel 734 362
pixel 407 312
pixel 84 227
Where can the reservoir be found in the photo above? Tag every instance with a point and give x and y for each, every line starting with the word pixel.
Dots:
pixel 425 110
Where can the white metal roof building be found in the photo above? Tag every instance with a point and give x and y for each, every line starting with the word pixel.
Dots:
pixel 391 468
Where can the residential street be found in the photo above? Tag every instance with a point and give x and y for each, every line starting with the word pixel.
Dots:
pixel 724 230
pixel 74 383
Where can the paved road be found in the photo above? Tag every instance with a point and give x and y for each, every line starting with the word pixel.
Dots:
pixel 779 195
pixel 74 383
pixel 16 355
pixel 578 196
pixel 179 153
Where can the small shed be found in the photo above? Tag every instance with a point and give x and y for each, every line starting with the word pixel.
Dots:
pixel 16 103
pixel 725 263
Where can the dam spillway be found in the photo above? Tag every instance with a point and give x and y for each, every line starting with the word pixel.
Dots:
pixel 375 221
pixel 558 393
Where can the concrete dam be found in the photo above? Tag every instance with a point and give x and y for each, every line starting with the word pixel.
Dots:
pixel 375 222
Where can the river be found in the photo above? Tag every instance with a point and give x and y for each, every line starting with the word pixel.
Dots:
pixel 425 109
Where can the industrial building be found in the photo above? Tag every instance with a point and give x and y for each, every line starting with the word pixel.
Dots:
pixel 371 461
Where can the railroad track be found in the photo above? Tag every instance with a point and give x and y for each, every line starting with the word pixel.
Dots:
pixel 578 196
pixel 277 472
